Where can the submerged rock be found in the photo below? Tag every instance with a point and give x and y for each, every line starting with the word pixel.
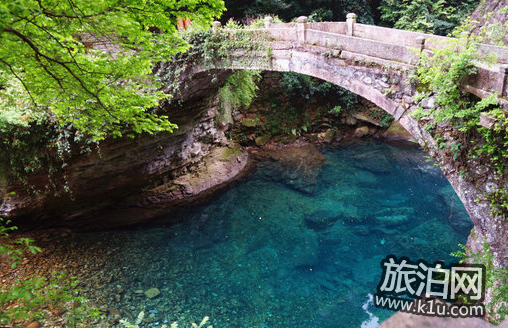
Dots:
pixel 152 293
pixel 374 161
pixel 393 220
pixel 297 166
pixel 363 273
pixel 321 219
pixel 304 252
pixel 458 218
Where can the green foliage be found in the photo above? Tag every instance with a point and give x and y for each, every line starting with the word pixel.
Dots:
pixel 496 279
pixel 429 16
pixel 237 92
pixel 32 298
pixel 495 145
pixel 384 119
pixel 322 10
pixel 300 104
pixel 16 110
pixel 14 250
pixel 213 50
pixel 239 89
pixel 46 45
pixel 259 22
pixel 498 202
pixel 321 15
pixel 33 140
pixel 284 120
pixel 335 111
pixel 442 74
pixel 304 88
pixel 492 31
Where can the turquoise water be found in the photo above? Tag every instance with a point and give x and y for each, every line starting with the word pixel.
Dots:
pixel 264 254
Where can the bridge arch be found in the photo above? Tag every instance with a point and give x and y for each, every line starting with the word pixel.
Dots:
pixel 385 86
pixel 374 62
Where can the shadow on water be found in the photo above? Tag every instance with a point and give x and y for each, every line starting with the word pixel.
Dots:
pixel 263 254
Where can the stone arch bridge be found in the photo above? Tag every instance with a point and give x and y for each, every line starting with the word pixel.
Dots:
pixel 137 179
pixel 375 63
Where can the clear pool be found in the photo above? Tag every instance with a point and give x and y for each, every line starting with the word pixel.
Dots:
pixel 264 254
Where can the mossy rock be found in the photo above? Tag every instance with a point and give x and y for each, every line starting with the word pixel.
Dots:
pixel 289 139
pixel 328 135
pixel 262 140
pixel 397 132
pixel 361 131
pixel 249 122
pixel 278 138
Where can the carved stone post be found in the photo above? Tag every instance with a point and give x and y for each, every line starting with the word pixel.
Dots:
pixel 503 80
pixel 420 43
pixel 215 26
pixel 301 26
pixel 268 21
pixel 350 22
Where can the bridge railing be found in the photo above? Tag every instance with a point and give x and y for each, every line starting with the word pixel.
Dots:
pixel 371 48
pixel 413 39
pixel 398 45
pixel 389 44
pixel 420 41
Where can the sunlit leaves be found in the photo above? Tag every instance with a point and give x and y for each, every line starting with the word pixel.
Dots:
pixel 89 62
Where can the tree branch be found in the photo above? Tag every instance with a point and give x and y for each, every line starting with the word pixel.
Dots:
pixel 46 12
pixel 20 80
pixel 38 54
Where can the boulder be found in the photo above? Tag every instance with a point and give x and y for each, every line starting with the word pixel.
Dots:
pixel 429 102
pixel 327 136
pixel 374 161
pixel 297 166
pixel 364 117
pixel 304 249
pixel 113 311
pixel 361 131
pixel 34 324
pixel 321 219
pixel 350 120
pixel 152 293
pixel 262 140
pixel 249 122
pixel 397 132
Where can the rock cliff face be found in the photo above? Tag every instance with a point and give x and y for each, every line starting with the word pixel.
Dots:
pixel 131 180
pixel 491 12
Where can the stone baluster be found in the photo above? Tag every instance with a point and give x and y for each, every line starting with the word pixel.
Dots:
pixel 503 80
pixel 268 21
pixel 420 43
pixel 350 22
pixel 301 26
pixel 215 26
pixel 466 35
